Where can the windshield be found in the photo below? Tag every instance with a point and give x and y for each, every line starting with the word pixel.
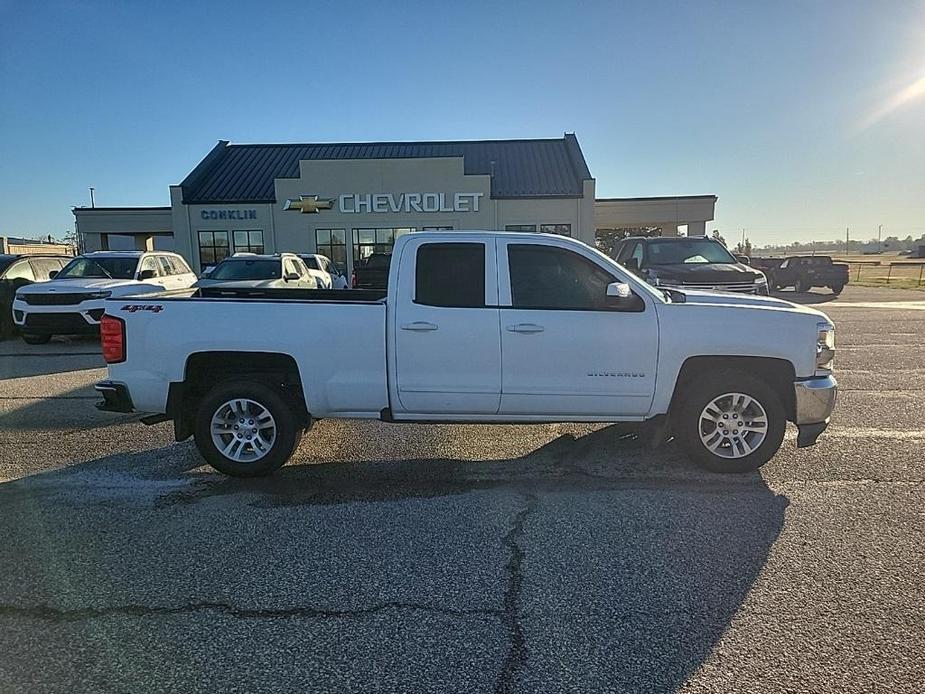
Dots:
pixel 378 261
pixel 109 268
pixel 255 269
pixel 696 251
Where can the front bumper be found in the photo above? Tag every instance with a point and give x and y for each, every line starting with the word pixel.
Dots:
pixel 80 319
pixel 814 402
pixel 116 397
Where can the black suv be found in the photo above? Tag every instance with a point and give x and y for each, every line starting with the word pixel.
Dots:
pixel 689 262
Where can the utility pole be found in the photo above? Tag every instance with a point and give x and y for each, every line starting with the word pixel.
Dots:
pixel 92 199
pixel 846 240
pixel 879 233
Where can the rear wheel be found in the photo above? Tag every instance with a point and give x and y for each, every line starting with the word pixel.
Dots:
pixel 36 339
pixel 246 429
pixel 730 422
pixel 801 286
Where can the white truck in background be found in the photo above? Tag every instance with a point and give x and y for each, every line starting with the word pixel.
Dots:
pixel 474 327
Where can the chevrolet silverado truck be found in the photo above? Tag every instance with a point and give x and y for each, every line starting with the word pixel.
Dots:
pixel 473 327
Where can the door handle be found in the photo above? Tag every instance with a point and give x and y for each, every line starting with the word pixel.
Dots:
pixel 525 328
pixel 419 326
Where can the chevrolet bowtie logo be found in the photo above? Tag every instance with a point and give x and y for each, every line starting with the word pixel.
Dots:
pixel 308 204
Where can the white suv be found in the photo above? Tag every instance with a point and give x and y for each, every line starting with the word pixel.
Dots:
pixel 252 271
pixel 72 302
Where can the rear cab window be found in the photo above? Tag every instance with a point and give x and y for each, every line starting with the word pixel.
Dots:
pixel 451 275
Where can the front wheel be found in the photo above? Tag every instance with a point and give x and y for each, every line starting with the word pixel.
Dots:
pixel 246 429
pixel 730 422
pixel 36 339
pixel 837 289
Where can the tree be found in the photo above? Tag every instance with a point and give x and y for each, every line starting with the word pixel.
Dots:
pixel 718 237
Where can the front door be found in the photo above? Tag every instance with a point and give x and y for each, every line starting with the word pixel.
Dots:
pixel 565 350
pixel 447 342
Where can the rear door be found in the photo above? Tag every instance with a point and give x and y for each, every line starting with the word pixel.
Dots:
pixel 566 350
pixel 447 346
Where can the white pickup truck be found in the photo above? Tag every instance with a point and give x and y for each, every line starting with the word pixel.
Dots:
pixel 474 327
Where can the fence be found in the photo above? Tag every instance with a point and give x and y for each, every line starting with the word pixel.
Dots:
pixel 899 274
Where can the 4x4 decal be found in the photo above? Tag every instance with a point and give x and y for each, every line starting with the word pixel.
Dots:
pixel 134 308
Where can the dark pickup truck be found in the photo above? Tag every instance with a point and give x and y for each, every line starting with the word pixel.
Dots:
pixel 805 272
pixel 373 272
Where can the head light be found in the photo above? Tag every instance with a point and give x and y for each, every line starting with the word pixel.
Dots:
pixel 761 279
pixel 825 346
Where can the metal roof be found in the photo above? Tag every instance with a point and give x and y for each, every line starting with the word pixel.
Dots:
pixel 519 168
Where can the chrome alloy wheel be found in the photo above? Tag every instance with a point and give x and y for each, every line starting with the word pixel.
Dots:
pixel 243 430
pixel 733 425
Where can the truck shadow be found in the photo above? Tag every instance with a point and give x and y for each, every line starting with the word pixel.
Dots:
pixel 627 565
pixel 820 296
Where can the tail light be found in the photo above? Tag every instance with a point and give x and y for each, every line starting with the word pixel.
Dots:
pixel 112 337
pixel 353 280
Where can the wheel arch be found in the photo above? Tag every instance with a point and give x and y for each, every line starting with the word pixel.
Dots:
pixel 204 370
pixel 779 374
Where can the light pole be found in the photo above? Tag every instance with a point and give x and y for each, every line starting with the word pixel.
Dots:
pixel 92 199
pixel 879 233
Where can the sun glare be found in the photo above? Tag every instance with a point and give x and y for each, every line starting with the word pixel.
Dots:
pixel 906 95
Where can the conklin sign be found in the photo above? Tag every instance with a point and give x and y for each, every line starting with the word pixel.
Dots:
pixel 409 202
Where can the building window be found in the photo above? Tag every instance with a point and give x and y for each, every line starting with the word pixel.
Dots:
pixel 436 228
pixel 520 227
pixel 560 229
pixel 213 248
pixel 333 244
pixel 451 275
pixel 369 241
pixel 250 241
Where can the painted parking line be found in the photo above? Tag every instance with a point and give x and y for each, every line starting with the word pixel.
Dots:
pixel 901 305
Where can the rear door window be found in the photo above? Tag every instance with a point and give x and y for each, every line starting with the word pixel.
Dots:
pixel 451 275
pixel 20 271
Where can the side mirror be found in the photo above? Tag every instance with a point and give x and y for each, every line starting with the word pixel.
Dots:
pixel 631 264
pixel 53 274
pixel 744 259
pixel 291 277
pixel 621 297
pixel 146 275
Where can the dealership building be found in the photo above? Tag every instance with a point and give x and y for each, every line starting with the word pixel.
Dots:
pixel 350 200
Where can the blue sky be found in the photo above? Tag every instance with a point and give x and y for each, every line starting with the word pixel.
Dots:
pixel 803 117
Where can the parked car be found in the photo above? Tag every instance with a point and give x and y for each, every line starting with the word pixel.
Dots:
pixel 248 270
pixel 477 327
pixel 327 274
pixel 689 262
pixel 72 302
pixel 372 272
pixel 17 271
pixel 804 272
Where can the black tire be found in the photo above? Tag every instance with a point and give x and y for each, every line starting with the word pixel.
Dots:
pixel 837 289
pixel 703 390
pixel 801 287
pixel 36 339
pixel 288 428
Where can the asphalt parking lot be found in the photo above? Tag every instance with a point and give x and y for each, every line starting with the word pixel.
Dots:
pixel 419 558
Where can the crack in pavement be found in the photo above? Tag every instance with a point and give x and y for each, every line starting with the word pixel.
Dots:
pixel 53 614
pixel 517 650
